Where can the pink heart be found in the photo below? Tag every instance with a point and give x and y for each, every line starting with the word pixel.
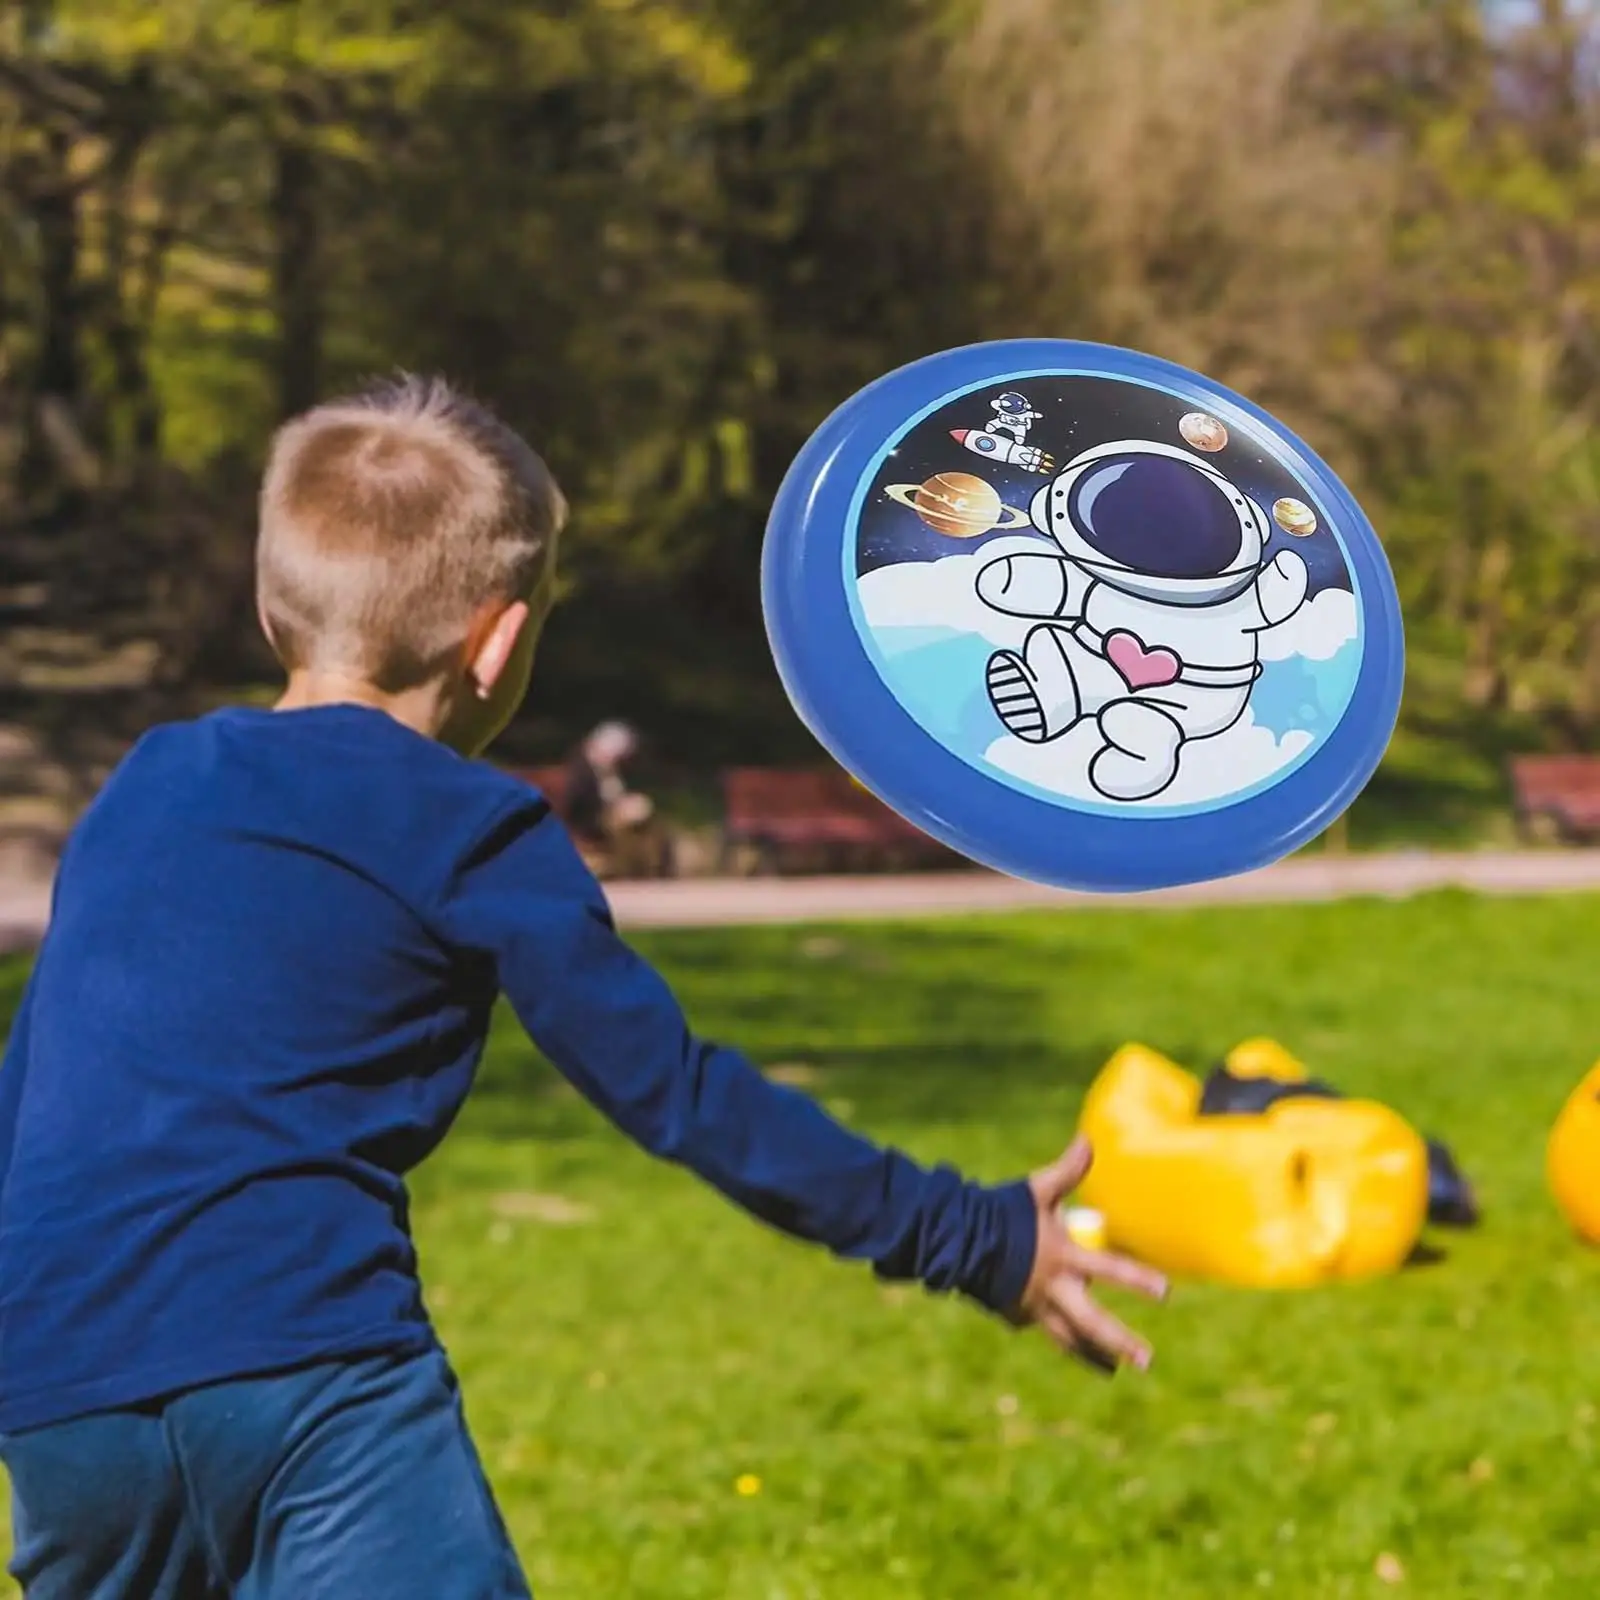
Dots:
pixel 1144 669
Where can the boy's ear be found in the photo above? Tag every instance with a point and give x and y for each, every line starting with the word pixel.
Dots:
pixel 265 624
pixel 495 643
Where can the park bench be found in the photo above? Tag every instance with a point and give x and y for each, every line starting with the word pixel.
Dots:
pixel 797 817
pixel 1557 795
pixel 597 854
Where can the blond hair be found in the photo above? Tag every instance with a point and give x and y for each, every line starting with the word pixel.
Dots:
pixel 388 519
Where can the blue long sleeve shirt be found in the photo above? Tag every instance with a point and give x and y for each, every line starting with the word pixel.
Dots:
pixel 276 944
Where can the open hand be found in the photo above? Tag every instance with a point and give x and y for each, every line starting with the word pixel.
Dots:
pixel 1057 1296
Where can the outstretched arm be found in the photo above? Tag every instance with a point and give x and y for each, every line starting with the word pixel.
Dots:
pixel 14 1066
pixel 526 909
pixel 13 1074
pixel 1033 585
pixel 1281 589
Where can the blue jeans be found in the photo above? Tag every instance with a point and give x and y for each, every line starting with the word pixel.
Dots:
pixel 354 1480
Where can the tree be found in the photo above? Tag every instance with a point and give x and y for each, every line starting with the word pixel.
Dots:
pixel 666 237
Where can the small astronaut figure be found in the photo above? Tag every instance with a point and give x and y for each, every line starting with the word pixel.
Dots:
pixel 1013 415
pixel 1148 620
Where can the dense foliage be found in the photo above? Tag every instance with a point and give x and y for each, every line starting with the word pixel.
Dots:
pixel 667 236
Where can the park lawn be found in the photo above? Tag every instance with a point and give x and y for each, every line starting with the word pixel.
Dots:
pixel 632 1347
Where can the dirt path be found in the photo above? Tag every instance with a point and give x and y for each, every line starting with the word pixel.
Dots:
pixel 715 902
pixel 727 902
pixel 24 911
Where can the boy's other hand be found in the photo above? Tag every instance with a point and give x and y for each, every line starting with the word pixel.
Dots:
pixel 1057 1297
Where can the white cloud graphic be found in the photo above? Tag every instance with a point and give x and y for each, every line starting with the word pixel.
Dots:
pixel 1233 761
pixel 910 597
pixel 943 594
pixel 1319 630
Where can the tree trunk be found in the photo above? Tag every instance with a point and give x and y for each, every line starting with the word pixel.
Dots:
pixel 57 386
pixel 138 411
pixel 297 285
pixel 1485 685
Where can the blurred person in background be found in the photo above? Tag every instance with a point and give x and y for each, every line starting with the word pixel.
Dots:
pixel 600 808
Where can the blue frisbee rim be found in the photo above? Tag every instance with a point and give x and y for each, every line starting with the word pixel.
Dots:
pixel 841 697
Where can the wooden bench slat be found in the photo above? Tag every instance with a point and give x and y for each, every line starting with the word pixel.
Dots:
pixel 1562 789
pixel 796 808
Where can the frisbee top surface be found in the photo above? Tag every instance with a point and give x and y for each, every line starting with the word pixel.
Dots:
pixel 1083 615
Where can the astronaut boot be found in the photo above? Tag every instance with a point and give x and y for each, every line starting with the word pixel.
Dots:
pixel 1035 695
pixel 1141 754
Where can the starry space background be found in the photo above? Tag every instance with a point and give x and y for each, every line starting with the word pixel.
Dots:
pixel 1079 413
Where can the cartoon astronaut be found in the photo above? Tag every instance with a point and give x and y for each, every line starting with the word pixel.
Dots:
pixel 1148 621
pixel 1013 415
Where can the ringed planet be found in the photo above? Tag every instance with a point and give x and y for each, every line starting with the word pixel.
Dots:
pixel 1295 517
pixel 958 505
pixel 1204 432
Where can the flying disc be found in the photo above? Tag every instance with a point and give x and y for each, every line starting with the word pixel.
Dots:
pixel 1083 615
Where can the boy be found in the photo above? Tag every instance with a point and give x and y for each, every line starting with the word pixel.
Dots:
pixel 276 941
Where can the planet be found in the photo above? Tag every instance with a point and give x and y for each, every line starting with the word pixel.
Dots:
pixel 1295 517
pixel 958 505
pixel 1204 432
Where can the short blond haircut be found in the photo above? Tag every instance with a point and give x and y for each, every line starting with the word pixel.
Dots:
pixel 388 520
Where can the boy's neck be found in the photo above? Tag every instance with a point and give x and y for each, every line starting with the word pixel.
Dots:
pixel 424 709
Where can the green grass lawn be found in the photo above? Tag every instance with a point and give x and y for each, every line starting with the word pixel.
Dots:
pixel 632 1348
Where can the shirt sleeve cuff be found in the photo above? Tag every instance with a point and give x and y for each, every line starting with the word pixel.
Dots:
pixel 1017 1224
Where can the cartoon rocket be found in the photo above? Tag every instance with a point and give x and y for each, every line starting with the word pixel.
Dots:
pixel 1004 451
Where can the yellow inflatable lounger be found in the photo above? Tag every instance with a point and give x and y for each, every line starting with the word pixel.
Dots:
pixel 1307 1192
pixel 1573 1158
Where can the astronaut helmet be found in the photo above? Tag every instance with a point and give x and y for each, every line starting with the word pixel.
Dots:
pixel 1151 520
pixel 1012 404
